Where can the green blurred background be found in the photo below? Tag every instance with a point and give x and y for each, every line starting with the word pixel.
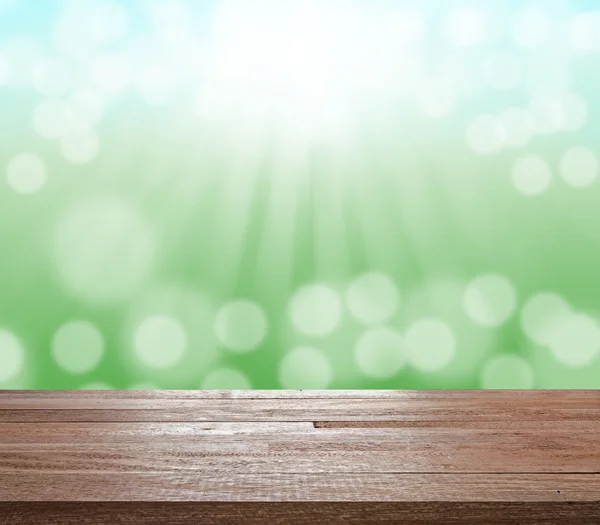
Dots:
pixel 299 194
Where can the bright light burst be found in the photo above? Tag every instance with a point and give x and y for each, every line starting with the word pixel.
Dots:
pixel 305 63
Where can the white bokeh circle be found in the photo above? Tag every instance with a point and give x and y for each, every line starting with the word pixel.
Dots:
pixel 160 342
pixel 516 126
pixel 241 325
pixel 77 347
pixel 576 111
pixel 579 167
pixel 305 368
pixel 575 339
pixel 430 344
pixel 80 147
pixel 485 135
pixel 531 175
pixel 372 298
pixel 315 310
pixel 548 114
pixel 104 249
pixel 510 372
pixel 540 314
pixel 380 353
pixel 52 119
pixel 186 318
pixel 26 173
pixel 226 379
pixel 12 356
pixel 489 300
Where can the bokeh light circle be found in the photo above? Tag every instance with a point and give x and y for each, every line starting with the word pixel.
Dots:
pixel 52 118
pixel 160 342
pixel 489 300
pixel 241 325
pixel 510 372
pixel 26 173
pixel 12 355
pixel 485 135
pixel 305 368
pixel 575 339
pixel 547 114
pixel 77 347
pixel 80 147
pixel 380 353
pixel 315 310
pixel 516 127
pixel 579 167
pixel 226 379
pixel 576 112
pixel 372 298
pixel 104 249
pixel 540 314
pixel 531 175
pixel 430 344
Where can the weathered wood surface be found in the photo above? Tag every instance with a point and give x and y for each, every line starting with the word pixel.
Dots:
pixel 298 513
pixel 300 457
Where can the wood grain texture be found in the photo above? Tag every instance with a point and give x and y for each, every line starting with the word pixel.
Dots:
pixel 299 457
pixel 220 485
pixel 100 409
pixel 293 513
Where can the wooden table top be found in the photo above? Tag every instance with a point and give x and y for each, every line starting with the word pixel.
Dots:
pixel 299 457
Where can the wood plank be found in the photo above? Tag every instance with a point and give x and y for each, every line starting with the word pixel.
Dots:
pixel 250 406
pixel 261 449
pixel 295 413
pixel 266 455
pixel 455 457
pixel 293 513
pixel 121 432
pixel 437 432
pixel 224 486
pixel 73 409
pixel 495 424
